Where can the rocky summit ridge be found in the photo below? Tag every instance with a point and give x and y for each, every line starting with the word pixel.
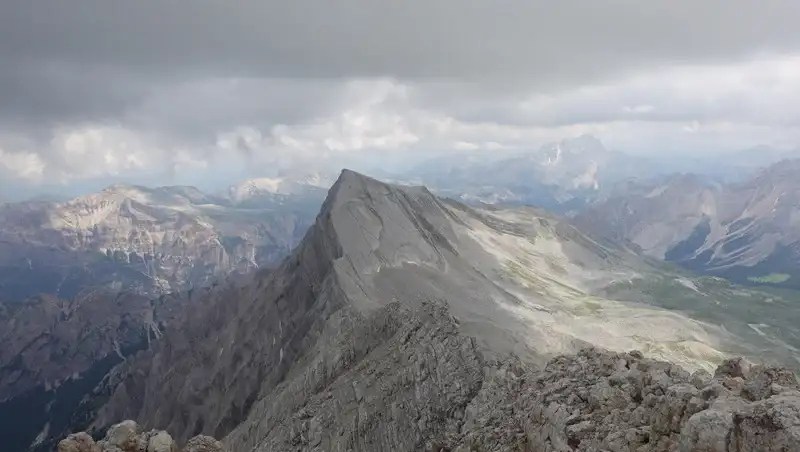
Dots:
pixel 406 322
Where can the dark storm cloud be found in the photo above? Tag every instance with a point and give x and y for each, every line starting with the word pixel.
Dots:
pixel 91 58
pixel 196 109
pixel 44 93
pixel 540 39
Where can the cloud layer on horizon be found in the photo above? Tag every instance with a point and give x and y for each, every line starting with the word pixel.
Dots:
pixel 96 89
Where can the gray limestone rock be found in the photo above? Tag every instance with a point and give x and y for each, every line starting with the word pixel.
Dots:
pixel 202 443
pixel 734 368
pixel 124 436
pixel 541 410
pixel 161 442
pixel 78 442
pixel 767 381
pixel 127 437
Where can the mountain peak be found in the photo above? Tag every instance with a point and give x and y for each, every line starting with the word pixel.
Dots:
pixel 282 185
pixel 360 209
pixel 348 174
pixel 350 177
pixel 352 185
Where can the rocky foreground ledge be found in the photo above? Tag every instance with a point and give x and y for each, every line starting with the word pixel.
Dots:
pixel 128 437
pixel 591 401
pixel 600 401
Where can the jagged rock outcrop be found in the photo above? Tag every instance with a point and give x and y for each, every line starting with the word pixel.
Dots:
pixel 128 437
pixel 600 401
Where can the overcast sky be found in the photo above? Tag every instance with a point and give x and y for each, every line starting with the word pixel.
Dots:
pixel 168 90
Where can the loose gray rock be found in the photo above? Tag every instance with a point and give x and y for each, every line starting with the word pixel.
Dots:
pixel 127 437
pixel 78 442
pixel 203 444
pixel 581 403
pixel 124 436
pixel 161 442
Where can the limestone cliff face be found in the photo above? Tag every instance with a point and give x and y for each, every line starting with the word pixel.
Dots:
pixel 47 341
pixel 404 322
pixel 150 241
pixel 54 351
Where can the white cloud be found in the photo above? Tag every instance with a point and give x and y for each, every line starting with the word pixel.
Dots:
pixel 23 165
pixel 94 151
pixel 239 124
pixel 761 91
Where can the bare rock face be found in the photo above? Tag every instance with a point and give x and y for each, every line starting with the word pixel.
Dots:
pixel 128 437
pixel 146 240
pixel 53 352
pixel 38 337
pixel 202 443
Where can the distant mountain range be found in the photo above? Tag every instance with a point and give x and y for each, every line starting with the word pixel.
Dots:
pixel 280 189
pixel 565 176
pixel 149 240
pixel 559 176
pixel 748 231
pixel 384 328
pixel 730 166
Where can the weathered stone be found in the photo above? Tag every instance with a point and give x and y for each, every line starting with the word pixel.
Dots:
pixel 161 442
pixel 770 424
pixel 203 444
pixel 126 437
pixel 700 379
pixel 735 367
pixel 760 384
pixel 78 442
